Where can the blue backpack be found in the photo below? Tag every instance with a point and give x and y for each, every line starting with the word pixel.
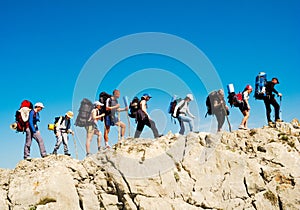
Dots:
pixel 260 86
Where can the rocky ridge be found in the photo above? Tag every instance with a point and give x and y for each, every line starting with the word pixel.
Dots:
pixel 255 169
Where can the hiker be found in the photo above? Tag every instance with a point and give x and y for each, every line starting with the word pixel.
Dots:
pixel 245 107
pixel 269 100
pixel 143 118
pixel 184 114
pixel 112 118
pixel 61 130
pixel 219 108
pixel 32 131
pixel 92 129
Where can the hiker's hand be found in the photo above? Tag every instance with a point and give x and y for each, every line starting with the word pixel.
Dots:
pixel 117 106
pixel 126 108
pixel 193 117
pixel 57 134
pixel 279 94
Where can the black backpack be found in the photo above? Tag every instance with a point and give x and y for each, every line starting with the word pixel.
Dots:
pixel 56 119
pixel 84 113
pixel 103 96
pixel 134 107
pixel 172 106
pixel 209 100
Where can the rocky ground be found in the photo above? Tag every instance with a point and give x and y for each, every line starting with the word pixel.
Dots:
pixel 255 169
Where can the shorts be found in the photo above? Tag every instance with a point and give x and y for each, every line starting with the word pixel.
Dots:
pixel 243 107
pixel 91 128
pixel 109 121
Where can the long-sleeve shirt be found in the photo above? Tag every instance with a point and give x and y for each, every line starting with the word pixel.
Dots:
pixel 184 108
pixel 270 88
pixel 34 117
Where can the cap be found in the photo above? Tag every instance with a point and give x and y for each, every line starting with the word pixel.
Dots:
pixel 98 103
pixel 70 114
pixel 39 104
pixel 276 79
pixel 190 96
pixel 249 87
pixel 147 95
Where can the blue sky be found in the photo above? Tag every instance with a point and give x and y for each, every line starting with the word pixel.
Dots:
pixel 45 45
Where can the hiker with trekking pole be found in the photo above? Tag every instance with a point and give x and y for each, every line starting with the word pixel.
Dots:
pixel 216 105
pixel 112 117
pixel 61 128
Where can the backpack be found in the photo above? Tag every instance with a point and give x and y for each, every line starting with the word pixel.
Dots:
pixel 84 113
pixel 103 96
pixel 22 116
pixel 172 106
pixel 209 99
pixel 56 119
pixel 260 86
pixel 235 99
pixel 134 107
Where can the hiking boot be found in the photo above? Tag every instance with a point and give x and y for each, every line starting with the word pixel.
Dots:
pixel 241 127
pixel 54 152
pixel 107 146
pixel 27 158
pixel 68 154
pixel 88 154
pixel 271 123
pixel 279 120
pixel 46 155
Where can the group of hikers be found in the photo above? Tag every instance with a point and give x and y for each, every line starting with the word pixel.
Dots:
pixel 107 109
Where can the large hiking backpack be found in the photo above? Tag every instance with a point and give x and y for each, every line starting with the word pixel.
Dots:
pixel 103 96
pixel 22 116
pixel 208 102
pixel 134 107
pixel 260 86
pixel 235 99
pixel 172 106
pixel 84 113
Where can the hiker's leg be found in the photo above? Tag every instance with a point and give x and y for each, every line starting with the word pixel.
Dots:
pixel 122 126
pixel 139 129
pixel 37 136
pixel 153 128
pixel 268 109
pixel 189 120
pixel 89 136
pixel 106 132
pixel 276 108
pixel 181 123
pixel 59 139
pixel 65 142
pixel 99 136
pixel 221 119
pixel 246 116
pixel 28 141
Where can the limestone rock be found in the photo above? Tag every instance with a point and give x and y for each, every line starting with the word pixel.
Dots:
pixel 256 169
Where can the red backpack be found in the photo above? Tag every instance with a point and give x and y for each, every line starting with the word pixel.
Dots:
pixel 22 116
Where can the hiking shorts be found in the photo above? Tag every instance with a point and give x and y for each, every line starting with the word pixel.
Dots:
pixel 91 128
pixel 109 121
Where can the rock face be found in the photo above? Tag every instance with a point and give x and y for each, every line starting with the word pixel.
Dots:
pixel 256 169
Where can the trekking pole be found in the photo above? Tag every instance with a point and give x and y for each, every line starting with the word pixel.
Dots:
pixel 75 146
pixel 119 127
pixel 125 99
pixel 280 98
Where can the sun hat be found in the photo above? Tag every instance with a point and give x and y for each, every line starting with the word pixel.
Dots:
pixel 70 114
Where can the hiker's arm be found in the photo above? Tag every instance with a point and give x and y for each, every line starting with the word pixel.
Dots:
pixel 108 108
pixel 30 120
pixel 123 109
pixel 144 108
pixel 189 113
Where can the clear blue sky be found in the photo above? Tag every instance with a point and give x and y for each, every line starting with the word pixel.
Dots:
pixel 45 45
